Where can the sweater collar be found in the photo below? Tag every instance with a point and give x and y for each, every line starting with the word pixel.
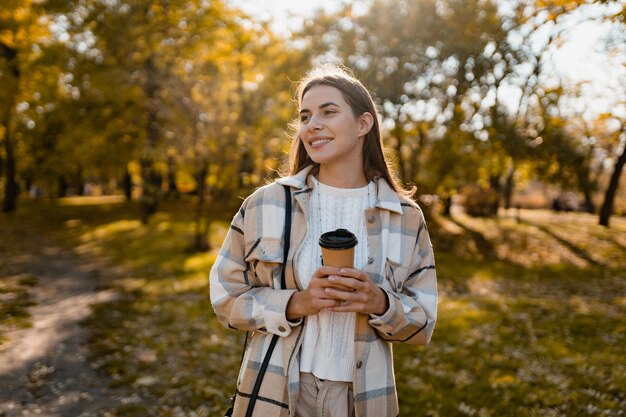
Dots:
pixel 386 197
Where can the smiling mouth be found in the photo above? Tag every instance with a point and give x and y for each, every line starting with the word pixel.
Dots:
pixel 317 142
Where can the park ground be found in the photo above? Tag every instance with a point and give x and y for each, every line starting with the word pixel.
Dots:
pixel 103 316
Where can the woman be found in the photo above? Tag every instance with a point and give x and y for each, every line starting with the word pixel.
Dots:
pixel 335 326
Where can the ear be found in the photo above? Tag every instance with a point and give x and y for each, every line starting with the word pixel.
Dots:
pixel 366 121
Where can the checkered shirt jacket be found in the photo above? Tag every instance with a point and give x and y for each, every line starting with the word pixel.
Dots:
pixel 245 284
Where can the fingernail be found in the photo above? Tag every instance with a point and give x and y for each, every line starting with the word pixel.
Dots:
pixel 331 278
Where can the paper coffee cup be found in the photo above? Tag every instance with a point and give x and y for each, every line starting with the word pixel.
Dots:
pixel 338 248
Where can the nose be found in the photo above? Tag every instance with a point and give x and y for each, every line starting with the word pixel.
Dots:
pixel 314 123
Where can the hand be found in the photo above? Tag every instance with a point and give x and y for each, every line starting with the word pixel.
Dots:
pixel 357 292
pixel 314 298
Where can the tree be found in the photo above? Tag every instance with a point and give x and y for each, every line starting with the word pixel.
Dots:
pixel 238 104
pixel 433 73
pixel 142 45
pixel 24 37
pixel 619 139
pixel 10 55
pixel 442 80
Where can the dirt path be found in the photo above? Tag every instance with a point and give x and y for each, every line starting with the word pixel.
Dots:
pixel 43 369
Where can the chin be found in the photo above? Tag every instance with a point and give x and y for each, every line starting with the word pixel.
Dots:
pixel 316 157
pixel 320 159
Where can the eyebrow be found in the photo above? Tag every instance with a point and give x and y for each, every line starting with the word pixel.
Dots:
pixel 328 103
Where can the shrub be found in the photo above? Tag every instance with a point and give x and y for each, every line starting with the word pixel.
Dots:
pixel 478 201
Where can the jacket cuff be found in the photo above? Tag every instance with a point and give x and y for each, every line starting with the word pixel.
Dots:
pixel 276 319
pixel 389 320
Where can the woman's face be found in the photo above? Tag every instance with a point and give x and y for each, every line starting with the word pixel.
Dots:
pixel 328 129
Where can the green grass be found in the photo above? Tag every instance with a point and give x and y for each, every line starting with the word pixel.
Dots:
pixel 531 319
pixel 175 354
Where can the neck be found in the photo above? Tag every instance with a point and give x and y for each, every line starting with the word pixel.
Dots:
pixel 339 178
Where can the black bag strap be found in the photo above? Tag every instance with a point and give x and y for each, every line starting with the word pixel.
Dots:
pixel 259 379
pixel 287 239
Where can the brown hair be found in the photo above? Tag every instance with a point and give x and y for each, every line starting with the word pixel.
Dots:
pixel 375 164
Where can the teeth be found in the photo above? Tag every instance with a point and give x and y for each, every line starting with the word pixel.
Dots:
pixel 316 142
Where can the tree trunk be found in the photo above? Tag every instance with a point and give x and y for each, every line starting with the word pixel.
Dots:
pixel 509 186
pixel 172 191
pixel 201 242
pixel 10 185
pixel 80 182
pixel 151 192
pixel 246 168
pixel 609 196
pixel 205 232
pixel 447 205
pixel 28 181
pixel 494 185
pixel 128 185
pixel 62 184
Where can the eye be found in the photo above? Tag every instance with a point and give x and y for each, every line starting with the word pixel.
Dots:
pixel 330 112
pixel 304 118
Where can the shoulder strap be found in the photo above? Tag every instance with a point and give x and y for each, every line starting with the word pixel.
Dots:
pixel 266 360
pixel 287 239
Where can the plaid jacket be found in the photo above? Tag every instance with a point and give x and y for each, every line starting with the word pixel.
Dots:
pixel 246 295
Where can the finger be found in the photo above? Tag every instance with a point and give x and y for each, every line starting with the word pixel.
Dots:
pixel 330 296
pixel 343 295
pixel 347 308
pixel 324 271
pixel 348 283
pixel 321 283
pixel 321 294
pixel 328 303
pixel 353 273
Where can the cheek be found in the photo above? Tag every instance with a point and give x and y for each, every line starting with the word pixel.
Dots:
pixel 301 131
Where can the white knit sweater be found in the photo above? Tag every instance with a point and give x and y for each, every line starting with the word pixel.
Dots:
pixel 328 346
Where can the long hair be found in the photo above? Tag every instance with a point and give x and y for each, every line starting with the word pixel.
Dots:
pixel 375 164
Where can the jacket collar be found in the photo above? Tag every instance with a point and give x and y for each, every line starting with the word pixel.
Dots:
pixel 386 197
pixel 297 180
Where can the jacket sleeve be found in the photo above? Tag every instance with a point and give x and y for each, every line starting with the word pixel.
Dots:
pixel 412 309
pixel 237 302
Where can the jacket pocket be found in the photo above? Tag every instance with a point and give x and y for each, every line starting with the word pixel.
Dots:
pixel 396 274
pixel 265 259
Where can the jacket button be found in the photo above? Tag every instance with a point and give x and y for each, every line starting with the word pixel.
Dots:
pixel 370 260
pixel 281 329
pixel 359 364
pixel 371 219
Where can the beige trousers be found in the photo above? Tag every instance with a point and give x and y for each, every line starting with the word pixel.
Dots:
pixel 323 398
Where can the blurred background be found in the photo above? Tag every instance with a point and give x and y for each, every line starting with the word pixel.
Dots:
pixel 523 101
pixel 130 131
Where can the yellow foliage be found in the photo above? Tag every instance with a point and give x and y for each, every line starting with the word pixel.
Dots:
pixel 498 381
pixel 197 263
pixel 564 4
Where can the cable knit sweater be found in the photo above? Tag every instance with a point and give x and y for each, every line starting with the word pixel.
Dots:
pixel 328 346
